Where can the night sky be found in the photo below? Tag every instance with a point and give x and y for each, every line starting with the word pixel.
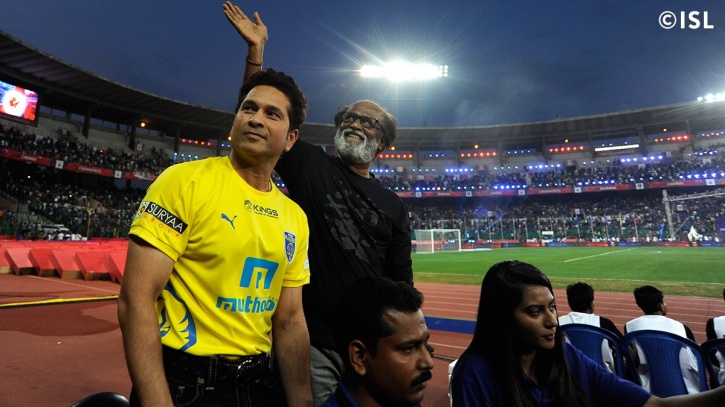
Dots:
pixel 509 62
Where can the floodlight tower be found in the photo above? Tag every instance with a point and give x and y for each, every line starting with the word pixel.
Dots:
pixel 712 97
pixel 399 71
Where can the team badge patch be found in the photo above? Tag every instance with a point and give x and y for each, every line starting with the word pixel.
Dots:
pixel 141 209
pixel 289 244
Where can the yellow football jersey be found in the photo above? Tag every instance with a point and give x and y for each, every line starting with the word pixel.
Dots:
pixel 234 249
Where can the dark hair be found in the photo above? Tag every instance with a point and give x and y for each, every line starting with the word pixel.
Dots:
pixel 580 296
pixel 360 314
pixel 648 298
pixel 389 123
pixel 502 290
pixel 285 84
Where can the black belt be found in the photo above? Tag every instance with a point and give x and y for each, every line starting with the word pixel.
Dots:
pixel 211 371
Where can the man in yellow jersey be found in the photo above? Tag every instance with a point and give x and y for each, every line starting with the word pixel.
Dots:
pixel 358 227
pixel 217 259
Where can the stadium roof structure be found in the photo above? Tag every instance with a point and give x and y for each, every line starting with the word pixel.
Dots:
pixel 71 89
pixel 690 117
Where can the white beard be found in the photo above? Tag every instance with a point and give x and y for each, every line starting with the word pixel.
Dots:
pixel 356 154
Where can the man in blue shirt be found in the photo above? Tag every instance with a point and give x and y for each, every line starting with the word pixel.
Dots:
pixel 383 340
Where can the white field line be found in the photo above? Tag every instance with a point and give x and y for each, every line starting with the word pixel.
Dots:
pixel 597 279
pixel 434 273
pixel 443 345
pixel 597 255
pixel 88 287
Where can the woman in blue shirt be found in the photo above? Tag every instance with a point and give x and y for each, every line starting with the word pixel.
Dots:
pixel 517 358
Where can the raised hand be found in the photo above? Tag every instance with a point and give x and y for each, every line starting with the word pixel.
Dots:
pixel 253 32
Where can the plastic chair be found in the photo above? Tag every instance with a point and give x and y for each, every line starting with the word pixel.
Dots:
pixel 451 366
pixel 662 352
pixel 105 399
pixel 588 339
pixel 713 351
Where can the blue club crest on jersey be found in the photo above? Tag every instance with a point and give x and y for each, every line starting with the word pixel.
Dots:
pixel 289 245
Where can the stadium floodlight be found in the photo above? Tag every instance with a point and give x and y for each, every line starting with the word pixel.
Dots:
pixel 403 71
pixel 615 148
pixel 712 97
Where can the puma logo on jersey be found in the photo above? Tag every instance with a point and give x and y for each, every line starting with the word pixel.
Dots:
pixel 231 221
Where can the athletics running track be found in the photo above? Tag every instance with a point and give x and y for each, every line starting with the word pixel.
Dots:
pixel 70 346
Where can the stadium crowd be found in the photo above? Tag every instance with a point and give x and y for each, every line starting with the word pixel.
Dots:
pixel 66 147
pixel 617 173
pixel 105 211
pixel 591 217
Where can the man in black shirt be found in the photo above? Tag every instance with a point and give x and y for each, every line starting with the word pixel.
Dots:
pixel 358 227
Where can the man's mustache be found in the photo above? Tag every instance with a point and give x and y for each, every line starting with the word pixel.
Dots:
pixel 424 377
pixel 354 133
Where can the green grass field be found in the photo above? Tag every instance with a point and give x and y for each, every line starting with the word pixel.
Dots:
pixel 690 271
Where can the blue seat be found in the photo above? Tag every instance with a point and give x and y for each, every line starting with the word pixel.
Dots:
pixel 710 357
pixel 588 339
pixel 104 399
pixel 662 352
